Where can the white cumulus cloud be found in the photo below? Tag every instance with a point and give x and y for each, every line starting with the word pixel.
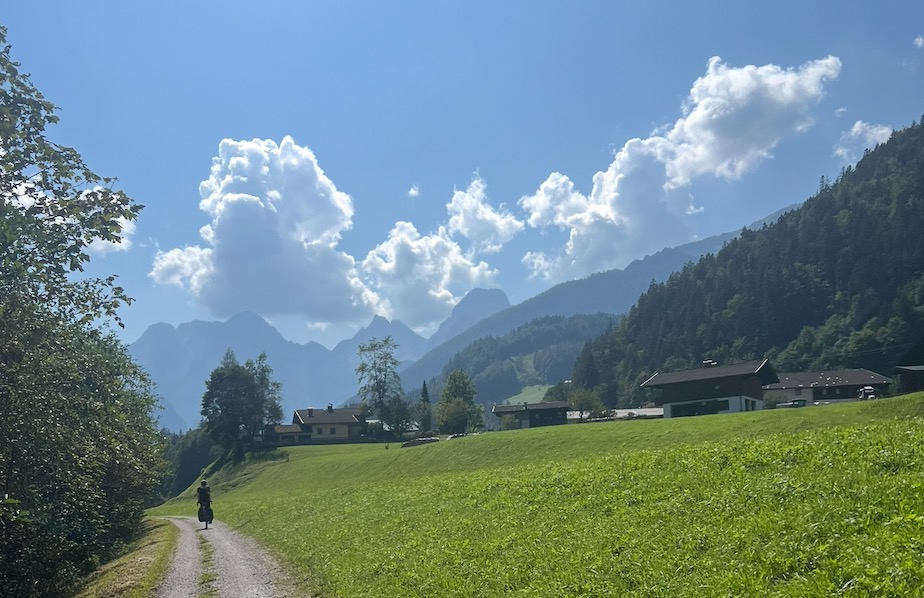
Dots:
pixel 735 116
pixel 414 191
pixel 271 243
pixel 731 121
pixel 861 136
pixel 423 276
pixel 919 41
pixel 471 216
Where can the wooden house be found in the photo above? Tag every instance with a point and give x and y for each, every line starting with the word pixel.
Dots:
pixel 712 388
pixel 534 415
pixel 825 386
pixel 910 369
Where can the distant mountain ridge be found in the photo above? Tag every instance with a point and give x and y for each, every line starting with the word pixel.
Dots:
pixel 180 359
pixel 612 292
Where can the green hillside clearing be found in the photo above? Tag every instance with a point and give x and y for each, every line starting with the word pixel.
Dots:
pixel 530 394
pixel 802 502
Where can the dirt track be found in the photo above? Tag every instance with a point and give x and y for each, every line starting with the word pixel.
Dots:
pixel 237 567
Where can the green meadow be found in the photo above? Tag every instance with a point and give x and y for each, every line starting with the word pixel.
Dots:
pixel 530 394
pixel 820 501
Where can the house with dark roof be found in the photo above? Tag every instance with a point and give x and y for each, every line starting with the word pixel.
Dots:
pixel 534 415
pixel 824 386
pixel 910 369
pixel 712 388
pixel 312 426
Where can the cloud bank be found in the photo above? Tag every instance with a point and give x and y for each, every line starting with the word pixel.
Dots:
pixel 272 246
pixel 272 242
pixel 731 120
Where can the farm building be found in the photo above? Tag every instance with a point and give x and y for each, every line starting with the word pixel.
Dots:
pixel 319 425
pixel 534 415
pixel 910 369
pixel 712 388
pixel 832 385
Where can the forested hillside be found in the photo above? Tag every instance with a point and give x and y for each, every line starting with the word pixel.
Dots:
pixel 611 292
pixel 837 283
pixel 540 352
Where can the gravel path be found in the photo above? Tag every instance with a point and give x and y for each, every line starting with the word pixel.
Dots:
pixel 218 561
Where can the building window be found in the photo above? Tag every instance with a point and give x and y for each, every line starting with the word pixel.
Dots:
pixel 798 392
pixel 333 430
pixel 320 431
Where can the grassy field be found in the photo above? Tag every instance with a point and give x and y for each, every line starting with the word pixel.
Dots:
pixel 530 394
pixel 799 502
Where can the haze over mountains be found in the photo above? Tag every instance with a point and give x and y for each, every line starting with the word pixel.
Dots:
pixel 180 359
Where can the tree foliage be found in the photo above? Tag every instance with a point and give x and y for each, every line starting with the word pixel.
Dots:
pixel 53 207
pixel 423 410
pixel 541 351
pixel 377 374
pixel 240 401
pixel 79 449
pixel 398 415
pixel 457 411
pixel 187 455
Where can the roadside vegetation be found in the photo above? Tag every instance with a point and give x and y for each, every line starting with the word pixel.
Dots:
pixel 815 501
pixel 138 572
pixel 79 447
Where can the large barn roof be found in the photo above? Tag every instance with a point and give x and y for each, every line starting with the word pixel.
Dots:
pixel 761 368
pixel 828 379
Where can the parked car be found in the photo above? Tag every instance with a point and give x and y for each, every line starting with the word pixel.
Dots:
pixel 794 403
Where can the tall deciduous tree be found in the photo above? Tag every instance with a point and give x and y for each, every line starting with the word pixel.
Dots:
pixel 239 401
pixel 377 373
pixel 78 439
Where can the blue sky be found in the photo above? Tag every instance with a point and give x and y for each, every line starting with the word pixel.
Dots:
pixel 319 162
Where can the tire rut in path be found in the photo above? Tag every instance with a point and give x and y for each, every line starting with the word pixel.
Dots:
pixel 243 569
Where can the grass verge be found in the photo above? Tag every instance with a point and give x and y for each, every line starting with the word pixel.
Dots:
pixel 138 572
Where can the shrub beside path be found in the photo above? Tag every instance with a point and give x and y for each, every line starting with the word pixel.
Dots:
pixel 220 562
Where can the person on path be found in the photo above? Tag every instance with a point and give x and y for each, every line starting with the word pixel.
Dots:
pixel 204 501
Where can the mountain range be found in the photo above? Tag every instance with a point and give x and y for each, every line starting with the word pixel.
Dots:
pixel 180 359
